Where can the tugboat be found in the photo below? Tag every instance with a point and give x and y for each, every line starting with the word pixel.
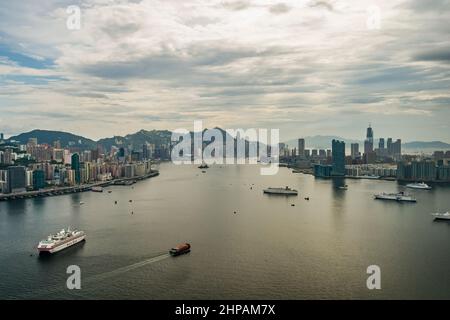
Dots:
pixel 180 249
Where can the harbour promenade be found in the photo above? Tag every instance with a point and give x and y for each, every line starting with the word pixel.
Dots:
pixel 57 191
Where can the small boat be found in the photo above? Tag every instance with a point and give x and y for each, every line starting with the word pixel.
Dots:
pixel 203 171
pixel 441 216
pixel 180 249
pixel 416 185
pixel 282 191
pixel 109 191
pixel 203 166
pixel 97 189
pixel 307 198
pixel 81 203
pixel 343 187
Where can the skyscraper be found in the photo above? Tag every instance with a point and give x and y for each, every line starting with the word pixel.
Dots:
pixel 38 179
pixel 338 158
pixel 381 144
pixel 389 146
pixel 16 179
pixel 368 143
pixel 76 167
pixel 1 137
pixel 354 150
pixel 397 149
pixel 301 147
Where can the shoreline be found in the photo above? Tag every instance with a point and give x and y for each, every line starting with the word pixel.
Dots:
pixel 74 189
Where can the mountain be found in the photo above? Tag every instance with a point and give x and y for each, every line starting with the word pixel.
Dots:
pixel 436 145
pixel 136 140
pixel 47 136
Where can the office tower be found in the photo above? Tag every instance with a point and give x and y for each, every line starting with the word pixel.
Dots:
pixel 381 144
pixel 314 152
pixel 16 179
pixel 354 147
pixel 368 143
pixel 76 167
pixel 389 146
pixel 397 149
pixel 301 147
pixel 307 153
pixel 1 137
pixel 145 152
pixel 338 157
pixel 322 153
pixel 38 179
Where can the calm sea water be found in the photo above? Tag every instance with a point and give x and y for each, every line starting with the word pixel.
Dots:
pixel 317 249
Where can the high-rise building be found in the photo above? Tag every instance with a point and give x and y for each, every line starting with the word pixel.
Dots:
pixel 397 149
pixel 16 179
pixel 38 179
pixel 389 146
pixel 368 143
pixel 381 144
pixel 354 150
pixel 301 147
pixel 338 157
pixel 75 165
pixel 1 137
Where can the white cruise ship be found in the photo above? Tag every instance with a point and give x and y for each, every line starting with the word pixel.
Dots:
pixel 441 216
pixel 401 196
pixel 416 185
pixel 61 240
pixel 283 191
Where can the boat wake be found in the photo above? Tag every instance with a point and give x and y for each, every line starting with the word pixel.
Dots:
pixel 56 290
pixel 125 269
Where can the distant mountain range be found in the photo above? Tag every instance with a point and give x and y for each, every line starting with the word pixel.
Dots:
pixel 158 137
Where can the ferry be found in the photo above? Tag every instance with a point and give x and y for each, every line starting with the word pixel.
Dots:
pixel 416 185
pixel 61 240
pixel 441 216
pixel 180 249
pixel 283 191
pixel 97 189
pixel 401 197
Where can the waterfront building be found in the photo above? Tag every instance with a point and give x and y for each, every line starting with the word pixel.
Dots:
pixel 38 179
pixel 16 179
pixel 322 171
pixel 368 143
pixel 75 165
pixel 338 157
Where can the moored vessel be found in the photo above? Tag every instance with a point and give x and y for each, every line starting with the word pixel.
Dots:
pixel 401 197
pixel 61 240
pixel 283 191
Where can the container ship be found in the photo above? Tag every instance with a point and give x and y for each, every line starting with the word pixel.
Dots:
pixel 180 249
pixel 282 191
pixel 401 197
pixel 61 240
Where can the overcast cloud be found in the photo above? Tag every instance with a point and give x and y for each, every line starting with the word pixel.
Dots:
pixel 305 67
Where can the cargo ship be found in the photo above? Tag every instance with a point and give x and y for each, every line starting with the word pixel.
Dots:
pixel 61 240
pixel 282 191
pixel 401 197
pixel 180 249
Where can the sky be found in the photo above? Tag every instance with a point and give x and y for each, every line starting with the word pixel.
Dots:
pixel 305 67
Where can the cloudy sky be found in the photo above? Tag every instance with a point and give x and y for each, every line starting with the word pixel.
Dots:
pixel 306 67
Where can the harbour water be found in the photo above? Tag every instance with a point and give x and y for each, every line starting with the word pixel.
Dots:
pixel 268 249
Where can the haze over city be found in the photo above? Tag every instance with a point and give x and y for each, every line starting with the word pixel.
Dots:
pixel 305 67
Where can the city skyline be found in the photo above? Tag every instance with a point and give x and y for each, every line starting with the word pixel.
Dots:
pixel 305 67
